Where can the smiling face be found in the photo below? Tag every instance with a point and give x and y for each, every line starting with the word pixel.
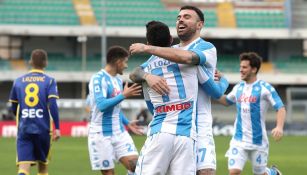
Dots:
pixel 188 25
pixel 247 72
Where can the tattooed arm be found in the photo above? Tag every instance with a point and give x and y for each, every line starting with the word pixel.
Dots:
pixel 171 54
pixel 138 75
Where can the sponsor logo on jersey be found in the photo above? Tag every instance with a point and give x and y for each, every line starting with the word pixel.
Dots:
pixel 246 99
pixel 173 107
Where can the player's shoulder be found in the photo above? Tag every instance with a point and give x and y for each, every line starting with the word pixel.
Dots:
pixel 205 44
pixel 239 84
pixel 119 79
pixel 266 86
pixel 151 59
pixel 99 74
pixel 22 77
pixel 47 76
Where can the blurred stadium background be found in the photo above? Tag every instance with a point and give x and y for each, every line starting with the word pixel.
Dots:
pixel 76 34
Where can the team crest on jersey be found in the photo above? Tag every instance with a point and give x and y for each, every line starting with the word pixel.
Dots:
pixel 115 92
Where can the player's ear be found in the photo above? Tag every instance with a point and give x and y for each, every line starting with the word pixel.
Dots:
pixel 118 61
pixel 254 70
pixel 200 25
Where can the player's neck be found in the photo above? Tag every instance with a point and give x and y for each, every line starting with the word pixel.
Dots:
pixel 251 80
pixel 37 69
pixel 187 42
pixel 111 70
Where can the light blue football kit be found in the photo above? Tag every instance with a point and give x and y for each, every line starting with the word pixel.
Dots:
pixel 108 139
pixel 250 139
pixel 170 146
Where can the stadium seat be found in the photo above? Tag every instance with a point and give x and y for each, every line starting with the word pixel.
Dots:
pixel 228 63
pixel 18 64
pixel 260 19
pixel 36 12
pixel 5 65
pixel 124 13
pixel 294 64
pixel 127 13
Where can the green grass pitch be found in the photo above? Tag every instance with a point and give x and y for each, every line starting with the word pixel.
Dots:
pixel 70 156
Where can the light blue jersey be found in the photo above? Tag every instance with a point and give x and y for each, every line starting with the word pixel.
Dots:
pixel 175 113
pixel 252 102
pixel 105 93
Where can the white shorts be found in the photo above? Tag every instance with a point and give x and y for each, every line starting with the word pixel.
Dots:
pixel 237 157
pixel 165 153
pixel 206 156
pixel 103 150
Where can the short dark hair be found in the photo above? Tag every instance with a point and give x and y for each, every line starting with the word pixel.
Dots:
pixel 158 34
pixel 199 13
pixel 115 53
pixel 39 58
pixel 253 58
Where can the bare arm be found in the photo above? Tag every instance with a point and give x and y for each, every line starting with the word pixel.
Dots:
pixel 171 54
pixel 137 75
pixel 155 82
pixel 277 132
pixel 223 100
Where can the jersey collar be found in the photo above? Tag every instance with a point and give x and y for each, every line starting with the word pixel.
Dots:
pixel 37 70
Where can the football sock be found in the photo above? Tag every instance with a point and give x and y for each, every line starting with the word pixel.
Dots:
pixel 23 172
pixel 42 173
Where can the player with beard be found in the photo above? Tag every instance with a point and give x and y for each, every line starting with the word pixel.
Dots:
pixel 191 50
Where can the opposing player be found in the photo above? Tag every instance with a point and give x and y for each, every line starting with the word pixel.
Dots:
pixel 188 30
pixel 33 98
pixel 168 108
pixel 252 98
pixel 108 139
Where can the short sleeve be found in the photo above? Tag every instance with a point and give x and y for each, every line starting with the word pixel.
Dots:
pixel 53 89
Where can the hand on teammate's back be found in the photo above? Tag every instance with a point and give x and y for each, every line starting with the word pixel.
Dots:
pixel 157 83
pixel 133 90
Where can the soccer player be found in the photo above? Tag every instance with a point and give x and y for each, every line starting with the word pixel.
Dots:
pixel 252 98
pixel 108 139
pixel 189 23
pixel 167 110
pixel 33 98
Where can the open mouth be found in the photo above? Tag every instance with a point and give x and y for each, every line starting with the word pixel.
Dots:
pixel 181 27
